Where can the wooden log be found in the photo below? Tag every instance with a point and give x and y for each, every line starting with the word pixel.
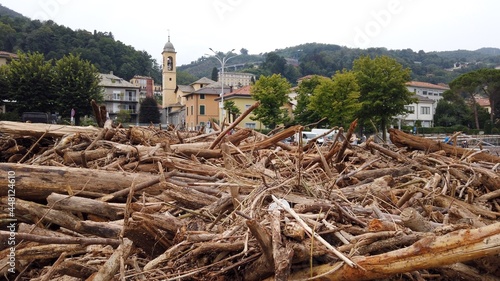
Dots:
pixel 429 252
pixel 79 157
pixel 401 139
pixel 109 269
pixel 84 205
pixel 40 129
pixel 75 269
pixel 38 211
pixel 84 241
pixel 149 136
pixel 37 182
pixel 282 255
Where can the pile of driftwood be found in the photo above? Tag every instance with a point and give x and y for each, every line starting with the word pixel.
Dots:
pixel 150 204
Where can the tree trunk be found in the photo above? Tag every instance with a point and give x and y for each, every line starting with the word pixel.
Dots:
pixel 429 252
pixel 37 182
pixel 39 129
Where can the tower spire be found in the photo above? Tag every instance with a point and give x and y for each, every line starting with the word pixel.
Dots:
pixel 168 31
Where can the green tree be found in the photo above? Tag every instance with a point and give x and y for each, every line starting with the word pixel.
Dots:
pixel 185 78
pixel 481 82
pixel 232 110
pixel 467 85
pixel 31 86
pixel 274 64
pixel 215 74
pixel 149 111
pixel 4 84
pixel 76 83
pixel 383 93
pixel 303 114
pixel 123 116
pixel 272 93
pixel 337 99
pixel 452 112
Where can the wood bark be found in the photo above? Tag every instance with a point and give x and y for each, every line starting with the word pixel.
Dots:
pixel 47 130
pixel 402 139
pixel 429 252
pixel 37 182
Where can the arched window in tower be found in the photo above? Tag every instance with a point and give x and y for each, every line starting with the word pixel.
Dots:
pixel 170 64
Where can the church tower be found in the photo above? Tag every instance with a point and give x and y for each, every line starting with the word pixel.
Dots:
pixel 169 75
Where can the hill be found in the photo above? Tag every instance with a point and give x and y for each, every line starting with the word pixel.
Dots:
pixel 18 33
pixel 4 11
pixel 326 59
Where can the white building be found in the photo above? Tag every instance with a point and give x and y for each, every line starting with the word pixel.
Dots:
pixel 428 96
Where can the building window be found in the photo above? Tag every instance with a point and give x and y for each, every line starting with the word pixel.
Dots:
pixel 202 96
pixel 424 93
pixel 410 108
pixel 202 110
pixel 131 95
pixel 250 125
pixel 192 112
pixel 247 106
pixel 425 110
pixel 116 95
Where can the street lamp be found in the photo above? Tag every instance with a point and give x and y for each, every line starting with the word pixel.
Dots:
pixel 222 61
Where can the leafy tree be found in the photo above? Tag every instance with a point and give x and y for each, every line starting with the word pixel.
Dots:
pixel 54 41
pixel 383 92
pixel 123 116
pixel 232 110
pixel 303 114
pixel 243 51
pixel 215 74
pixel 337 99
pixel 274 64
pixel 76 83
pixel 272 93
pixel 8 34
pixel 185 78
pixel 149 111
pixel 450 113
pixel 31 86
pixel 4 84
pixel 482 82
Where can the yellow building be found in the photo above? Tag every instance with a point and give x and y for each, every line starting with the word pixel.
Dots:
pixel 243 100
pixel 202 103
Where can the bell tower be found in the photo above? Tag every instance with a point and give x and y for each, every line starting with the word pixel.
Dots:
pixel 169 74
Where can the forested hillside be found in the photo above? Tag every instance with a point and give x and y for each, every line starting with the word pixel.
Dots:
pixel 19 33
pixel 326 59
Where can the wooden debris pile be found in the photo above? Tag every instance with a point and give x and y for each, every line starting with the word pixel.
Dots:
pixel 150 204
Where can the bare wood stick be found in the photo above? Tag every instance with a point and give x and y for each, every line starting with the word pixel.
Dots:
pixel 282 256
pixel 415 221
pixel 109 269
pixel 429 252
pixel 84 241
pixel 340 154
pixel 263 238
pixel 234 124
pixel 314 234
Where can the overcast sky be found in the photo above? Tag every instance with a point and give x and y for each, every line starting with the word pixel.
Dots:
pixel 265 25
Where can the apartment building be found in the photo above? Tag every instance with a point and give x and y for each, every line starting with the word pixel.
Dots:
pixel 423 111
pixel 119 94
